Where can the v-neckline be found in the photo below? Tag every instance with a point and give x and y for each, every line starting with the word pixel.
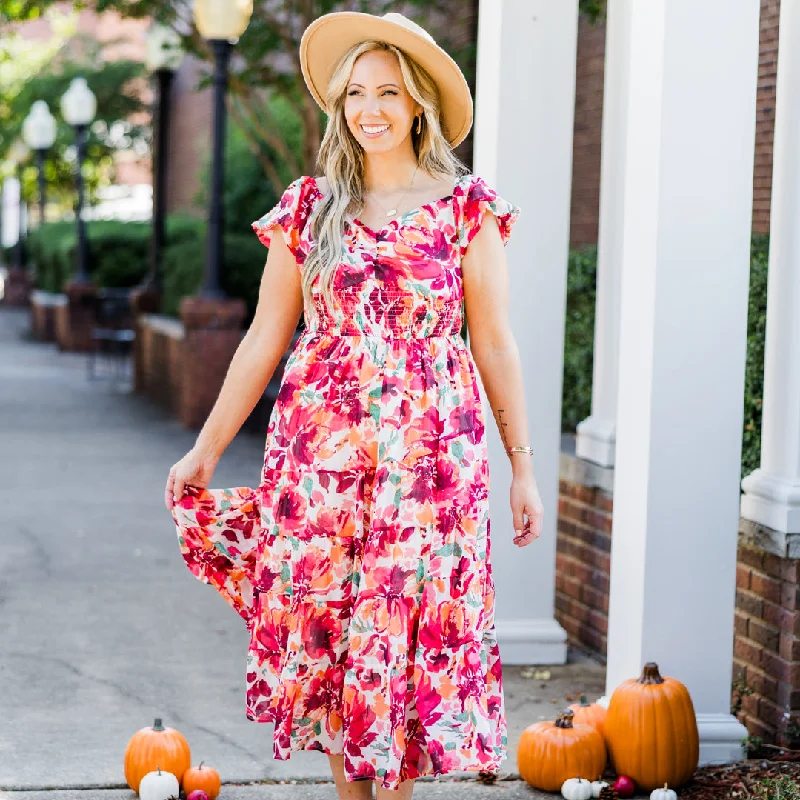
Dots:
pixel 398 219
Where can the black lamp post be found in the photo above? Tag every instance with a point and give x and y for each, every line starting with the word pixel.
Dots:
pixel 78 106
pixel 39 132
pixel 221 22
pixel 164 56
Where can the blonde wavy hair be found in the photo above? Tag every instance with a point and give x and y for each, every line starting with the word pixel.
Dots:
pixel 341 160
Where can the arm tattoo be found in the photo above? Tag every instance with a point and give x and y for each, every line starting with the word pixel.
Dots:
pixel 501 426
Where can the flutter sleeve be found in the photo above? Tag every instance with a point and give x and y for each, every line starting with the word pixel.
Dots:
pixel 479 199
pixel 290 215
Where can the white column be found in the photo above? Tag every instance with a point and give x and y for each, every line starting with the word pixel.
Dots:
pixel 772 493
pixel 597 433
pixel 10 210
pixel 525 104
pixel 685 265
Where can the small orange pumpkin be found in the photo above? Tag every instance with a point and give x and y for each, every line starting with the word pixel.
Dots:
pixel 153 748
pixel 550 753
pixel 640 744
pixel 201 777
pixel 587 713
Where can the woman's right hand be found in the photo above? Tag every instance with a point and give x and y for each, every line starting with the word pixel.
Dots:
pixel 194 469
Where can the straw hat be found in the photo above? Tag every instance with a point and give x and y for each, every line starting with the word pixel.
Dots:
pixel 328 38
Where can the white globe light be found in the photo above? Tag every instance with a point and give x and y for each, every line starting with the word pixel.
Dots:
pixel 163 48
pixel 222 19
pixel 39 127
pixel 78 103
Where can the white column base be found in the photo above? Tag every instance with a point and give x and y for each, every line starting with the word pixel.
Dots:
pixel 597 440
pixel 772 500
pixel 531 641
pixel 721 737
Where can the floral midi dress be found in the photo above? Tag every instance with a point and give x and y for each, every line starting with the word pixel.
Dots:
pixel 361 561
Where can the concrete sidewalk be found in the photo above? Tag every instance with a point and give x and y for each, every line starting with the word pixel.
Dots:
pixel 102 627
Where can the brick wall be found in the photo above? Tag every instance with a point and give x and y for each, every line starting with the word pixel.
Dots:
pixel 159 351
pixel 767 643
pixel 586 133
pixel 766 653
pixel 583 565
pixel 588 126
pixel 765 114
pixel 190 137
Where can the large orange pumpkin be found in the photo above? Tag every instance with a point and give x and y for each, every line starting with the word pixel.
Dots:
pixel 550 753
pixel 587 713
pixel 203 778
pixel 154 748
pixel 651 730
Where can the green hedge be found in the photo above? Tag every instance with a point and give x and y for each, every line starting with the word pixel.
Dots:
pixel 243 265
pixel 579 337
pixel 754 371
pixel 119 252
pixel 579 341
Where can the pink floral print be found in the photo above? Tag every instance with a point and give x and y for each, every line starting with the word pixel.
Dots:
pixel 361 562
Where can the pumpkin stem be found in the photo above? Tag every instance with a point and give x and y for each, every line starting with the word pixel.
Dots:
pixel 584 702
pixel 564 719
pixel 201 765
pixel 157 726
pixel 650 674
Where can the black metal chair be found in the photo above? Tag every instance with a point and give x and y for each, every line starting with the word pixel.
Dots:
pixel 114 334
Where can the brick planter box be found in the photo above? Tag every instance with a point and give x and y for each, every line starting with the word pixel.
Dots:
pixel 44 307
pixel 17 287
pixel 75 319
pixel 158 355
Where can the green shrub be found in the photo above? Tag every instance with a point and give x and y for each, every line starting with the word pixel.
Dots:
pixel 579 337
pixel 119 252
pixel 51 251
pixel 754 368
pixel 181 227
pixel 243 265
pixel 782 788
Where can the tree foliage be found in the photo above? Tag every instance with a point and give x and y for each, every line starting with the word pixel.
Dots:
pixel 593 10
pixel 44 73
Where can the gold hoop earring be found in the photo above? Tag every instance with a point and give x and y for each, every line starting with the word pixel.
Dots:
pixel 419 124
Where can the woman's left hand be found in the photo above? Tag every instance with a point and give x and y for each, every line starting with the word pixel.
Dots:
pixel 525 501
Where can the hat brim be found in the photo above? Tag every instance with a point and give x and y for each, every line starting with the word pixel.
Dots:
pixel 329 37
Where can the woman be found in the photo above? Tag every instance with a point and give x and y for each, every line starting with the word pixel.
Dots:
pixel 361 561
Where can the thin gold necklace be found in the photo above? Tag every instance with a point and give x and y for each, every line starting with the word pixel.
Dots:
pixel 393 211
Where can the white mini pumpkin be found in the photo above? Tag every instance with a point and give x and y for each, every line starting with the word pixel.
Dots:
pixel 576 789
pixel 597 787
pixel 159 785
pixel 663 794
